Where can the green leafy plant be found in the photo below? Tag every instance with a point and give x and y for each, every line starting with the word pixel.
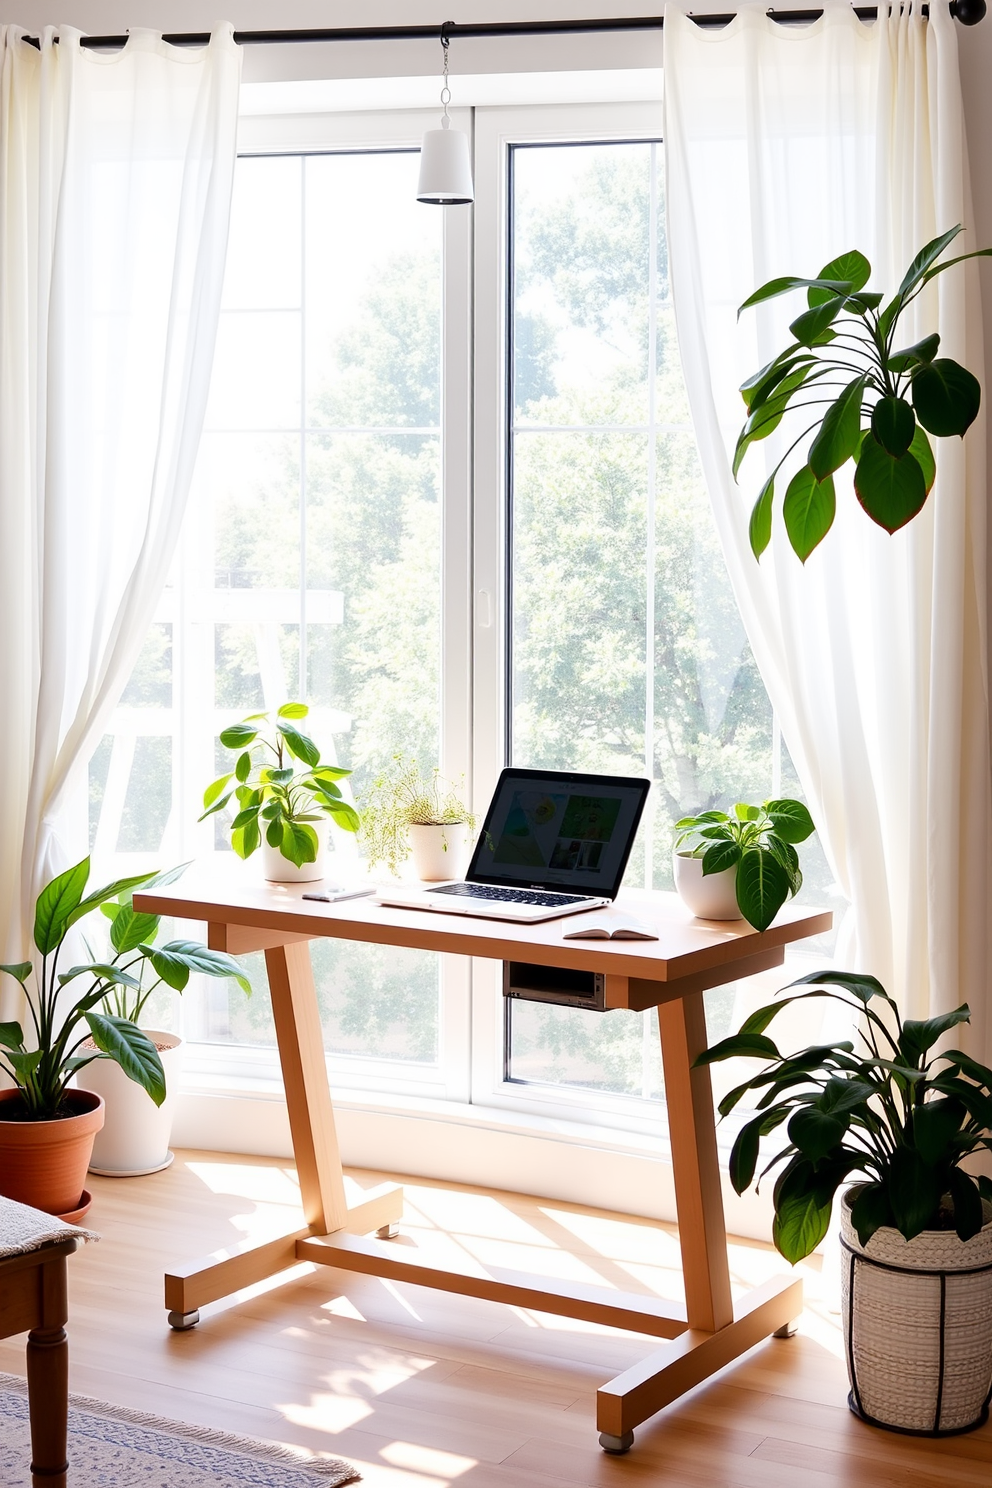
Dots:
pixel 61 1027
pixel 888 401
pixel 894 1114
pixel 401 797
pixel 759 842
pixel 273 794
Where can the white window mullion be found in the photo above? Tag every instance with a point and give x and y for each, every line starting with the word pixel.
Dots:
pixel 456 588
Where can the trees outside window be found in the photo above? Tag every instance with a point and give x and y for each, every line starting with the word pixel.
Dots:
pixel 315 565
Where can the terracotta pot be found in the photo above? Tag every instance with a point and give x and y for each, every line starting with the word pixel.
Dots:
pixel 43 1163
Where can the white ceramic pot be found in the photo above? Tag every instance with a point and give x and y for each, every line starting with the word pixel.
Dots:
pixel 918 1327
pixel 440 852
pixel 278 869
pixel 135 1135
pixel 710 897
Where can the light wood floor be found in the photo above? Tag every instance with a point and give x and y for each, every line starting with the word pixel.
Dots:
pixel 420 1389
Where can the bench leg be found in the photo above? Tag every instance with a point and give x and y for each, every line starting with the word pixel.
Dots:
pixel 48 1387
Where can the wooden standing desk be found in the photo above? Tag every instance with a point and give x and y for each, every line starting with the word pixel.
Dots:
pixel 671 974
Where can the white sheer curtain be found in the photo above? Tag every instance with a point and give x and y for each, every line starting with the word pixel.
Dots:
pixel 784 147
pixel 116 173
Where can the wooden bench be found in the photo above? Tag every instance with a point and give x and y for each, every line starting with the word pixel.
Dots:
pixel 33 1300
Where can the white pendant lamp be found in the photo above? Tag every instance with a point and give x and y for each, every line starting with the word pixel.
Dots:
pixel 445 167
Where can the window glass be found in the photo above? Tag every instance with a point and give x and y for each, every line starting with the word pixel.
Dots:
pixel 628 655
pixel 310 562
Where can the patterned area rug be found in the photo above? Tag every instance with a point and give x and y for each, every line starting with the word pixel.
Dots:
pixel 114 1448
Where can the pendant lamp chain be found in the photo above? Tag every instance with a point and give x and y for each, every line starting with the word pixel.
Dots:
pixel 445 90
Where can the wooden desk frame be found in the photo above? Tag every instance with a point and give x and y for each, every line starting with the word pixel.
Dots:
pixel 671 974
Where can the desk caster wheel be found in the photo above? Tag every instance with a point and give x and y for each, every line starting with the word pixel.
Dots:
pixel 388 1231
pixel 183 1321
pixel 616 1445
pixel 787 1330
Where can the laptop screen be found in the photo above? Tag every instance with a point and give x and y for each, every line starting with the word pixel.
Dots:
pixel 557 830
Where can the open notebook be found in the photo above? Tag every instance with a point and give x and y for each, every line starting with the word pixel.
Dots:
pixel 612 927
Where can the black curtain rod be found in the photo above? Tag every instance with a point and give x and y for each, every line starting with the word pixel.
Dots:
pixel 968 12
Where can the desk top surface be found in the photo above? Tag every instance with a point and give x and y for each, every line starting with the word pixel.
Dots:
pixel 685 945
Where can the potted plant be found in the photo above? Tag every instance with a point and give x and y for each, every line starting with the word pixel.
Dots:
pixel 881 405
pixel 47 1127
pixel 728 866
pixel 917 1230
pixel 286 797
pixel 134 1139
pixel 408 809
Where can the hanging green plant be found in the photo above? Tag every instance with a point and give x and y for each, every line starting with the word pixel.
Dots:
pixel 887 405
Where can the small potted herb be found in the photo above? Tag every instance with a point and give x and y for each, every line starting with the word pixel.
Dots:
pixel 917 1228
pixel 744 864
pixel 407 809
pixel 285 796
pixel 46 1126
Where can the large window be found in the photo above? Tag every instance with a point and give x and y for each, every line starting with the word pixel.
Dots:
pixel 328 555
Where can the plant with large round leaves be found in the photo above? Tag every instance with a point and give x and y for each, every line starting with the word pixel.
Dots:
pixel 759 841
pixel 876 403
pixel 891 1112
pixel 68 1028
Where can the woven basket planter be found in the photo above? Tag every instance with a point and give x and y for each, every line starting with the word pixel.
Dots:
pixel 918 1327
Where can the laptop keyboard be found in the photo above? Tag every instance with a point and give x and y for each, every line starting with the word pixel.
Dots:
pixel 508 896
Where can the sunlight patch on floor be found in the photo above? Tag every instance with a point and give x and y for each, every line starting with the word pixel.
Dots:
pixel 376 1372
pixel 259 1288
pixel 397 1296
pixel 824 1327
pixel 343 1307
pixel 331 1413
pixel 471 1215
pixel 662 1281
pixel 620 1239
pixel 263 1185
pixel 539 1262
pixel 445 1465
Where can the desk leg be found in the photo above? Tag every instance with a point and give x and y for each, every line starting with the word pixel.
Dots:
pixel 308 1098
pixel 698 1198
pixel 48 1380
pixel 315 1145
pixel 717 1332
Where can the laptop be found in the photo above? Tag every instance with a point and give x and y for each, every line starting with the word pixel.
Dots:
pixel 553 843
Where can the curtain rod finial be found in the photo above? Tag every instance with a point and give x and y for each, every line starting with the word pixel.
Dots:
pixel 968 12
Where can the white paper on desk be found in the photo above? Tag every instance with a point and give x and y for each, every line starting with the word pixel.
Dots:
pixel 612 927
